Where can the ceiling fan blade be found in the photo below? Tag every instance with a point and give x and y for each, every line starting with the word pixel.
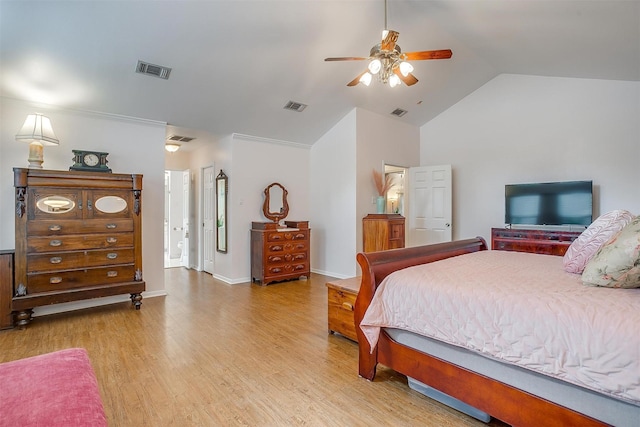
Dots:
pixel 428 54
pixel 357 79
pixel 389 40
pixel 346 58
pixel 409 80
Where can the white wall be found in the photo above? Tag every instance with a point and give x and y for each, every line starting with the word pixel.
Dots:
pixel 333 205
pixel 380 140
pixel 134 146
pixel 342 185
pixel 254 164
pixel 517 129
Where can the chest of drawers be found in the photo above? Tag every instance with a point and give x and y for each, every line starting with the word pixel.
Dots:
pixel 78 236
pixel 279 253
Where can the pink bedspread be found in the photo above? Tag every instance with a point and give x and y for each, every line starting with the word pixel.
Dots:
pixel 523 309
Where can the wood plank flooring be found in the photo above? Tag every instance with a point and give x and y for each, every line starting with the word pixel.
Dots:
pixel 212 354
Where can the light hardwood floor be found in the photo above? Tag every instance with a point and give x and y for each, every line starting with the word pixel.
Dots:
pixel 211 354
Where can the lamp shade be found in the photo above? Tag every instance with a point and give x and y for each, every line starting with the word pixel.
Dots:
pixel 37 128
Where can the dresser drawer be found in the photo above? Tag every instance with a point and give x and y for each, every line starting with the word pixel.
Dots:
pixel 78 242
pixel 286 258
pixel 44 282
pixel 60 227
pixel 282 236
pixel 70 260
pixel 290 268
pixel 286 247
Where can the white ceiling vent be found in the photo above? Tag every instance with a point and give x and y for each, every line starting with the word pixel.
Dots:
pixel 179 138
pixel 295 106
pixel 399 112
pixel 153 70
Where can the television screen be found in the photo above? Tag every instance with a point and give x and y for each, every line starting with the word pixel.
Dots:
pixel 549 203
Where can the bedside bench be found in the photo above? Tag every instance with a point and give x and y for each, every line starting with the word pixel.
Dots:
pixel 341 296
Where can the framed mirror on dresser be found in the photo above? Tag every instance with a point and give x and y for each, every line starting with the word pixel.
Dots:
pixel 279 251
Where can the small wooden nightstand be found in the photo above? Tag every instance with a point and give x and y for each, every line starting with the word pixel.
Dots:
pixel 342 299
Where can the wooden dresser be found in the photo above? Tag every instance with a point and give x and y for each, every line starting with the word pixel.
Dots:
pixel 382 231
pixel 279 253
pixel 547 242
pixel 6 288
pixel 78 236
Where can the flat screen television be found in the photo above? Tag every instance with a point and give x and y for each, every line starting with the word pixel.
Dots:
pixel 549 203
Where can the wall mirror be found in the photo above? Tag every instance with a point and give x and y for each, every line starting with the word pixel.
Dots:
pixel 222 188
pixel 275 205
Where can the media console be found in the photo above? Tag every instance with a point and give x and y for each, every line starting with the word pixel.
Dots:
pixel 549 242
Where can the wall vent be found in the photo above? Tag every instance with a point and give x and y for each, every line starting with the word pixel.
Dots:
pixel 399 112
pixel 295 106
pixel 179 138
pixel 153 70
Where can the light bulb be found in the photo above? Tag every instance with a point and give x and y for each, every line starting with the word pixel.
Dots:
pixel 405 68
pixel 394 81
pixel 375 66
pixel 365 79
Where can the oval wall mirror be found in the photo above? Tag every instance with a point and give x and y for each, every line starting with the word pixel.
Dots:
pixel 55 204
pixel 275 205
pixel 111 204
pixel 222 188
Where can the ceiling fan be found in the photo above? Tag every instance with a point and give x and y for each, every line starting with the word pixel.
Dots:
pixel 388 62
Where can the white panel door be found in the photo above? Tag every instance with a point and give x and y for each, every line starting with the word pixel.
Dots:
pixel 186 215
pixel 429 205
pixel 208 218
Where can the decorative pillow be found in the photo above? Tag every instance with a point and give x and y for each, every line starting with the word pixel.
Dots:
pixel 597 234
pixel 617 263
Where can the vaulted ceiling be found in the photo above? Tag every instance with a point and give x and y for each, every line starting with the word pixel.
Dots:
pixel 235 64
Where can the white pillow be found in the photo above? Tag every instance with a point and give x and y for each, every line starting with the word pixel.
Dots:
pixel 617 263
pixel 597 234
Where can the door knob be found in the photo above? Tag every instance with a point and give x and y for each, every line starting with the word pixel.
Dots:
pixel 448 225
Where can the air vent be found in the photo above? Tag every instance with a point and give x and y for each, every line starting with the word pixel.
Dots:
pixel 153 70
pixel 399 112
pixel 295 106
pixel 179 138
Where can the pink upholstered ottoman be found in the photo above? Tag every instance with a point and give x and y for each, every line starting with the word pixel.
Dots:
pixel 53 390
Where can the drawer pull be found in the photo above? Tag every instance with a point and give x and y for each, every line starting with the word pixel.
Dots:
pixel 55 243
pixel 111 240
pixel 55 227
pixel 55 280
pixel 112 273
pixel 55 260
pixel 111 226
pixel 347 305
pixel 112 255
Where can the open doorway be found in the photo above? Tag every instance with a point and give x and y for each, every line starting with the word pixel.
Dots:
pixel 176 218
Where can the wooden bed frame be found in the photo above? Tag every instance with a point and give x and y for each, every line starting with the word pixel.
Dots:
pixel 501 401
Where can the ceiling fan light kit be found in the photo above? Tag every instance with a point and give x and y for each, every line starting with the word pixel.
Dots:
pixel 388 63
